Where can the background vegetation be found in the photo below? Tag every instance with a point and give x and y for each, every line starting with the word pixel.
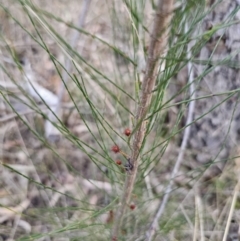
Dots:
pixel 71 81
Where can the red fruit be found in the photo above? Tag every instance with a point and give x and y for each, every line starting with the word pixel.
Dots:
pixel 132 206
pixel 115 149
pixel 118 162
pixel 114 238
pixel 127 132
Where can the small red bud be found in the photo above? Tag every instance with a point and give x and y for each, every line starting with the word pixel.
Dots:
pixel 114 238
pixel 115 149
pixel 118 162
pixel 127 132
pixel 132 206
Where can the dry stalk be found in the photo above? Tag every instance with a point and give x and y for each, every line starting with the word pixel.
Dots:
pixel 157 47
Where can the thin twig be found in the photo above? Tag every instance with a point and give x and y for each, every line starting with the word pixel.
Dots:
pixel 196 223
pixel 86 75
pixel 150 233
pixel 231 229
pixel 199 206
pixel 73 43
pixel 42 109
pixel 158 42
pixel 227 229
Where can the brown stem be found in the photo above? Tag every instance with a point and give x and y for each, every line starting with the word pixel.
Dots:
pixel 158 43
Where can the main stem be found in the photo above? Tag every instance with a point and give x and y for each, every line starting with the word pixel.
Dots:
pixel 158 43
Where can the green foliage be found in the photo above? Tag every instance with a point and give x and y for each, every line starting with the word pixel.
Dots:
pixel 103 88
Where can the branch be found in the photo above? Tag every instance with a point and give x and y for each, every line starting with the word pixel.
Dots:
pixel 157 47
pixel 150 233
